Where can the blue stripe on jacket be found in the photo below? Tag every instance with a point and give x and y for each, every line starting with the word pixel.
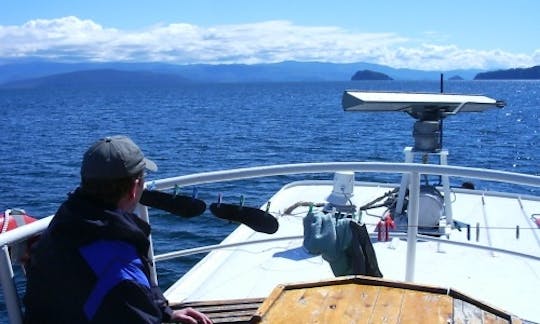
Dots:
pixel 112 262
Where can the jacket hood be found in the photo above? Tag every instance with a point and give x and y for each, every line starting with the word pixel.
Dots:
pixel 81 219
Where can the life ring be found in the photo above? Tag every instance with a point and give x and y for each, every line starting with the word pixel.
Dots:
pixel 14 218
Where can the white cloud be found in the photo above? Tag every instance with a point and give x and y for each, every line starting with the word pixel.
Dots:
pixel 71 38
pixel 435 57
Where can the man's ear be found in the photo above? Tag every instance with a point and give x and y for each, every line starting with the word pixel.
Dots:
pixel 133 189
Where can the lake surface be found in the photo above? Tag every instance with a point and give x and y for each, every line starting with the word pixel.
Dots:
pixel 198 128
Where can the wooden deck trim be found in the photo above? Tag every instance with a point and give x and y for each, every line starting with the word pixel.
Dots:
pixel 447 309
pixel 237 311
pixel 364 280
pixel 462 309
pixel 498 312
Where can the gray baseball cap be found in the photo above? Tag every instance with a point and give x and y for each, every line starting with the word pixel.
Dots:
pixel 114 157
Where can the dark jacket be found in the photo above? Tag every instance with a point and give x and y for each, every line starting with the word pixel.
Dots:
pixel 91 265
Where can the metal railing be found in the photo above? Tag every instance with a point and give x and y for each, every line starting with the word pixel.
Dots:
pixel 413 170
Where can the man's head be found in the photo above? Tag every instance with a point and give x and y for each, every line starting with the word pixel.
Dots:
pixel 114 157
pixel 113 169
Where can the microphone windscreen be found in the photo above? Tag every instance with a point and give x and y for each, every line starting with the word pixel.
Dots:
pixel 184 206
pixel 256 219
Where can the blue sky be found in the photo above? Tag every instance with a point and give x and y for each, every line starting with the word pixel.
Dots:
pixel 418 34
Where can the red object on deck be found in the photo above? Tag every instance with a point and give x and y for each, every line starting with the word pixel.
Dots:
pixel 14 218
pixel 384 227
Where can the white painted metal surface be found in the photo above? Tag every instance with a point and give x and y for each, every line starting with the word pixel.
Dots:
pixel 498 268
pixel 406 102
pixel 503 271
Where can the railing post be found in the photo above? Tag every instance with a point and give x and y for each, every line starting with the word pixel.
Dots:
pixel 404 181
pixel 446 188
pixel 143 214
pixel 412 228
pixel 8 286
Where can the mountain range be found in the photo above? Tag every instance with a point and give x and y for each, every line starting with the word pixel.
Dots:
pixel 43 73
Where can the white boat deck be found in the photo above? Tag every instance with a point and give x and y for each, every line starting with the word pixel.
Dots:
pixel 500 266
pixel 250 271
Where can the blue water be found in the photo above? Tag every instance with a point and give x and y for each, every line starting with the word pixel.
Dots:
pixel 198 128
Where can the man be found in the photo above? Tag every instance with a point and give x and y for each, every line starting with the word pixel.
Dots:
pixel 91 264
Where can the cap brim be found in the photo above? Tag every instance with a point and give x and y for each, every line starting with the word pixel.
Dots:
pixel 150 165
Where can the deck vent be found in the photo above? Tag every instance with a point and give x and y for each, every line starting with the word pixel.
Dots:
pixel 342 192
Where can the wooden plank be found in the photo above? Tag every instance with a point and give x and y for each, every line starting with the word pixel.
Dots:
pixel 238 311
pixel 489 318
pixel 220 308
pixel 297 306
pixel 219 302
pixel 466 313
pixel 515 320
pixel 368 295
pixel 388 306
pixel 458 296
pixel 329 304
pixel 422 307
pixel 349 303
pixel 269 302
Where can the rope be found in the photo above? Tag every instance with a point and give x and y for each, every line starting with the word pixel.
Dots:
pixel 387 203
pixel 6 220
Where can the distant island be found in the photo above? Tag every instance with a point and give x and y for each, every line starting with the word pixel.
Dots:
pixel 100 78
pixel 456 78
pixel 50 74
pixel 532 73
pixel 370 75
